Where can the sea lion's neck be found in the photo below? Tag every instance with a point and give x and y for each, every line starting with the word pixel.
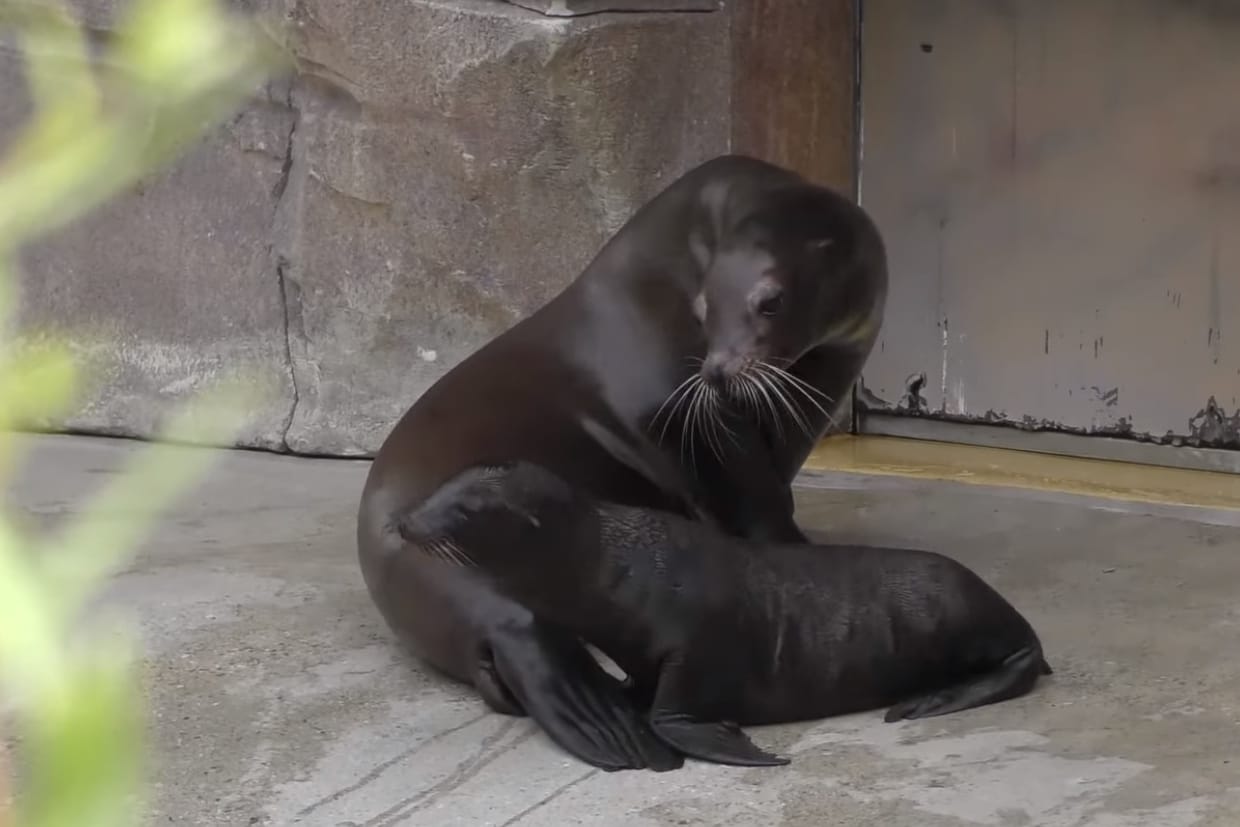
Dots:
pixel 634 329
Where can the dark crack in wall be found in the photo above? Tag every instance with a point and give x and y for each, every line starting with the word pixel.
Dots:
pixel 432 171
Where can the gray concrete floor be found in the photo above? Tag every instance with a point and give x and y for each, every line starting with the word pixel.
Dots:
pixel 277 697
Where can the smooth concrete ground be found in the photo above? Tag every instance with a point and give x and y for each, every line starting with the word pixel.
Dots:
pixel 277 696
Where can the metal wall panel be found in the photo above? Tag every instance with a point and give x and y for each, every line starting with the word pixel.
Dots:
pixel 1059 185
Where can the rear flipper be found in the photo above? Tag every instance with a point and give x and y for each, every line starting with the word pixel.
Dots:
pixel 682 687
pixel 722 742
pixel 552 677
pixel 1014 677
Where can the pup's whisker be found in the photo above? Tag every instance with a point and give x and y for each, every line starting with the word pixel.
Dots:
pixel 447 551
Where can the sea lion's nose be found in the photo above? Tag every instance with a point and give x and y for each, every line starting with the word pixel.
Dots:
pixel 716 370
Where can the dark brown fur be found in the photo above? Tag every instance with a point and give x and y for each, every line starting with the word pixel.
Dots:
pixel 712 628
pixel 582 387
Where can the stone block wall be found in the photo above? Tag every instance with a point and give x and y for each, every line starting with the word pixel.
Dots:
pixel 432 171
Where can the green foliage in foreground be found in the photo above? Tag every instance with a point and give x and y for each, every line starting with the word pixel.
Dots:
pixel 100 122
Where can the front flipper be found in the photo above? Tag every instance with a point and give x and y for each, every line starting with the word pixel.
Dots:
pixel 722 742
pixel 1014 677
pixel 492 689
pixel 580 707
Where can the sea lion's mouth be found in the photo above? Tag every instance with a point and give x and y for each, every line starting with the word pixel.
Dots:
pixel 764 387
pixel 771 390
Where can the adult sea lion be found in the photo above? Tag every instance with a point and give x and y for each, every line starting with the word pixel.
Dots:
pixel 690 367
pixel 717 632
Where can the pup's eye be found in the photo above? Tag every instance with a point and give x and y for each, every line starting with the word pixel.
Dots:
pixel 770 305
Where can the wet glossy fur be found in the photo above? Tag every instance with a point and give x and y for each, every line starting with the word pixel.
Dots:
pixel 719 629
pixel 596 386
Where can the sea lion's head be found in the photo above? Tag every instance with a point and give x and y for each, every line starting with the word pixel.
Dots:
pixel 801 267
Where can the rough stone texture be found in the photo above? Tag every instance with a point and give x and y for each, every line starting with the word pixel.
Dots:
pixel 434 170
pixel 170 286
pixel 456 164
pixel 276 696
pixel 569 8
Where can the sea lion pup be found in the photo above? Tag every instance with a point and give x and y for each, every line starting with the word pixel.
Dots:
pixel 717 632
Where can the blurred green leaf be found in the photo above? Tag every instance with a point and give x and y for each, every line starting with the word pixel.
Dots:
pixel 29 648
pixel 122 515
pixel 75 767
pixel 174 67
pixel 102 119
pixel 35 383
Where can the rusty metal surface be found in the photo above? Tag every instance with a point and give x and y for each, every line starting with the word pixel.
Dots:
pixel 1059 184
pixel 794 86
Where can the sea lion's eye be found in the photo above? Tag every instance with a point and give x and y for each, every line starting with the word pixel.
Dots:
pixel 770 305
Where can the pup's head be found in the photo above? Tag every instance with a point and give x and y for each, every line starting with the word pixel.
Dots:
pixel 484 510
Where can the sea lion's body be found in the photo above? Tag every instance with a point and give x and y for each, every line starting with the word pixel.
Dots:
pixel 587 386
pixel 713 628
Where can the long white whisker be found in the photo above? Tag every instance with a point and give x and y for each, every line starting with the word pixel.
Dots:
pixel 802 385
pixel 736 392
pixel 686 428
pixel 744 394
pixel 729 387
pixel 787 387
pixel 762 384
pixel 445 550
pixel 805 390
pixel 715 423
pixel 681 392
pixel 695 418
pixel 702 420
pixel 739 389
pixel 751 395
pixel 460 555
pixel 790 405
pixel 708 421
pixel 794 404
pixel 720 410
pixel 755 395
pixel 677 390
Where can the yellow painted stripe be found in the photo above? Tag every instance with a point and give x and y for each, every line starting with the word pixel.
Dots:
pixel 978 465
